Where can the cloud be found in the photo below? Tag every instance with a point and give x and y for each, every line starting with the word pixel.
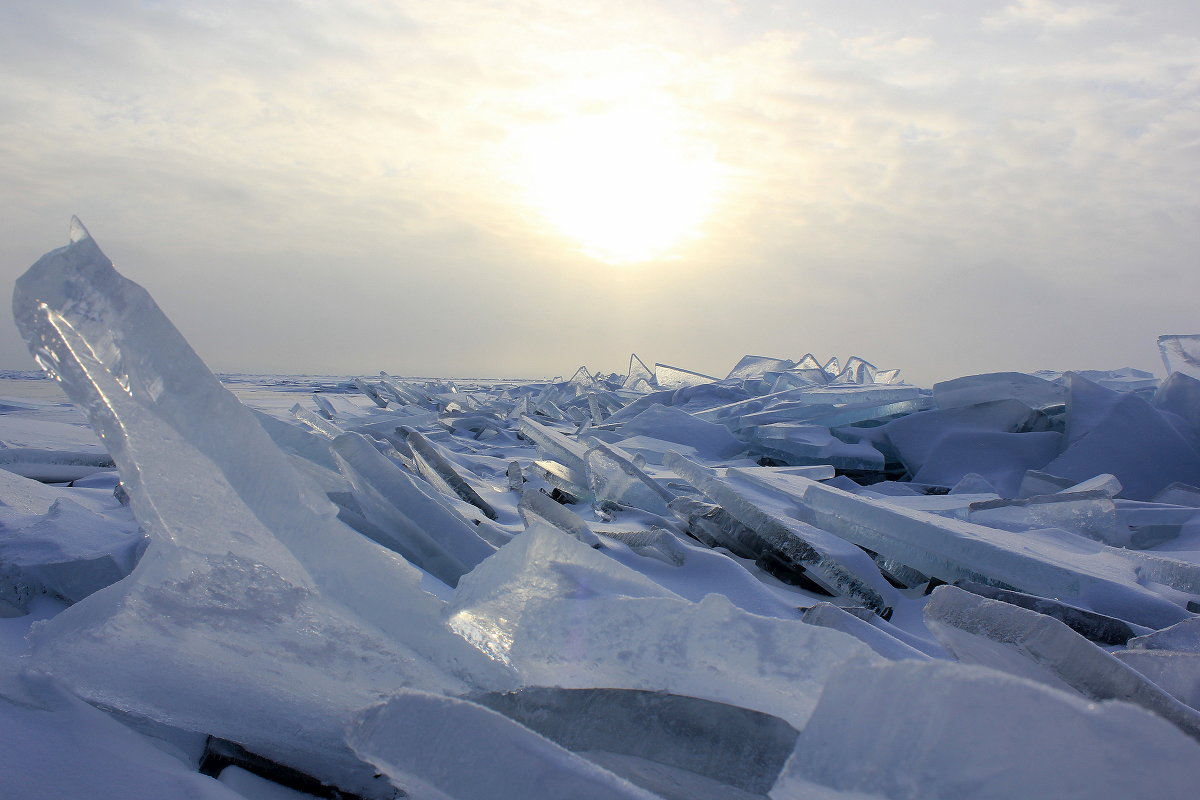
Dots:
pixel 883 170
pixel 1050 14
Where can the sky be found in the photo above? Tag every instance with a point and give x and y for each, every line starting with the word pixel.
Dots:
pixel 514 188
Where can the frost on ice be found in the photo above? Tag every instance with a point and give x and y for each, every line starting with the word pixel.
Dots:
pixel 656 584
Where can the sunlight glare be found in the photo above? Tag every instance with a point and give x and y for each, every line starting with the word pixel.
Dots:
pixel 627 185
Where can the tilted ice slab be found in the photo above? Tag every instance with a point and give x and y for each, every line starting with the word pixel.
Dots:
pixel 563 614
pixel 1181 353
pixel 834 562
pixel 255 615
pixel 449 749
pixel 932 730
pixel 996 634
pixel 1049 563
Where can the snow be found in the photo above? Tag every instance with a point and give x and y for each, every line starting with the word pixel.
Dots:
pixel 639 585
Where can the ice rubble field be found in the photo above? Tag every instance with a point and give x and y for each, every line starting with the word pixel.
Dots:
pixel 802 580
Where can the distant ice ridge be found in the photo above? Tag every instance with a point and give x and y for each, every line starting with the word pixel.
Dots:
pixel 589 583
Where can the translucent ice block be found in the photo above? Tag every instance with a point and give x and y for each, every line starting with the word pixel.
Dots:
pixel 669 377
pixel 827 615
pixel 255 615
pixel 733 746
pixel 638 371
pixel 444 748
pixel 1177 674
pixel 835 563
pixel 756 366
pixel 1041 648
pixel 419 527
pixel 934 730
pixel 613 477
pixel 972 389
pixel 441 474
pixel 536 507
pixel 1047 564
pixel 563 614
pixel 1181 353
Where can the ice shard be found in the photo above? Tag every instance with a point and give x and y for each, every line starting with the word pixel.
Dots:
pixel 1088 624
pixel 438 470
pixel 1124 435
pixel 419 740
pixel 972 389
pixel 838 565
pixel 730 745
pixel 1041 648
pixel 613 477
pixel 1048 563
pixel 1177 674
pixel 1183 636
pixel 536 507
pixel 1181 353
pixel 827 615
pixel 933 730
pixel 757 366
pixel 255 615
pixel 416 525
pixel 563 614
pixel 637 372
pixel 709 439
pixel 669 377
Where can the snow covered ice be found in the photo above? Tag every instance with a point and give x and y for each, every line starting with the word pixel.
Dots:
pixel 656 584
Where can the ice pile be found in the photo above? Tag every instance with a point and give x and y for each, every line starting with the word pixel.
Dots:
pixel 657 584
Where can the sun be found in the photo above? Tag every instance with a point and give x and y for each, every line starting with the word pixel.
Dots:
pixel 626 185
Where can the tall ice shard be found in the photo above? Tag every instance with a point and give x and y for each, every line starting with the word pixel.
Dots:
pixel 255 615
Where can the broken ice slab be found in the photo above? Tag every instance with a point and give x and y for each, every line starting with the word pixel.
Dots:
pixel 1087 513
pixel 669 377
pixel 1045 563
pixel 827 615
pixel 915 435
pixel 58 746
pixel 713 526
pixel 536 507
pixel 658 544
pixel 441 474
pixel 839 566
pixel 572 485
pixel 1183 636
pixel 942 731
pixel 856 371
pixel 1179 494
pixel 974 389
pixel 1124 435
pixel 370 391
pixel 613 477
pixel 1181 353
pixel 1035 482
pixel 1038 647
pixel 317 423
pixel 757 366
pixel 418 526
pixel 832 367
pixel 814 444
pixel 69 552
pixel 637 372
pixel 1088 624
pixel 255 614
pixel 1179 395
pixel 53 466
pixel 1001 458
pixel 563 614
pixel 1177 674
pixel 733 746
pixel 418 741
pixel 553 444
pixel 663 422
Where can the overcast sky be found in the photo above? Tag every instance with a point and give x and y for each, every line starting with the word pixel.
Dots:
pixel 515 188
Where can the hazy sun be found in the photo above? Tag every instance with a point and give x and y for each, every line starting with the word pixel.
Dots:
pixel 627 185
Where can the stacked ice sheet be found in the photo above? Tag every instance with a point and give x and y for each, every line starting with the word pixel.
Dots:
pixel 656 584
